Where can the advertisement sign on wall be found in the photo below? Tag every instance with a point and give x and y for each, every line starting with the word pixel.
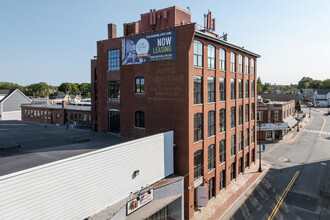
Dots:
pixel 149 48
pixel 135 204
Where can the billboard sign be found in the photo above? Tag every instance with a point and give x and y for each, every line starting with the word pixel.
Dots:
pixel 135 204
pixel 149 48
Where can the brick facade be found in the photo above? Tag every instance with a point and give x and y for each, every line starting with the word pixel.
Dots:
pixel 168 102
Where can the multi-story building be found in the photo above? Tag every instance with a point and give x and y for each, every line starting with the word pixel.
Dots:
pixel 167 73
pixel 10 104
pixel 322 97
pixel 275 118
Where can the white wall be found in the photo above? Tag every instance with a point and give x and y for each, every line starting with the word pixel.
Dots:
pixel 77 187
pixel 14 115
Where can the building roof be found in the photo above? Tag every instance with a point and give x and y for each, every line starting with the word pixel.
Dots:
pixel 4 93
pixel 280 97
pixel 40 145
pixel 203 35
pixel 323 91
pixel 59 106
pixel 61 96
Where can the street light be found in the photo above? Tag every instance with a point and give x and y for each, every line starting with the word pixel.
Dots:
pixel 260 169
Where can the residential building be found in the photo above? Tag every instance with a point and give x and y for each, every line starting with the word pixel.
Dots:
pixel 280 97
pixel 62 114
pixel 57 173
pixel 167 73
pixel 306 95
pixel 322 97
pixel 275 119
pixel 10 104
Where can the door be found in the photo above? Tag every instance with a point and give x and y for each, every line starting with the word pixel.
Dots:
pixel 211 188
pixel 114 121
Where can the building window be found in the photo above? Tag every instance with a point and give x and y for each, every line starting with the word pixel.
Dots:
pixel 139 119
pixel 210 89
pixel 252 66
pixel 233 62
pixel 198 127
pixel 222 151
pixel 211 57
pixel 233 171
pixel 252 134
pixel 253 155
pixel 222 56
pixel 253 106
pixel 113 60
pixel 240 88
pixel 232 117
pixel 232 89
pixel 222 119
pixel 198 164
pixel 269 134
pixel 240 141
pixel 247 89
pixel 240 115
pixel 276 116
pixel 240 165
pixel 139 84
pixel 211 157
pixel 259 116
pixel 222 89
pixel 252 88
pixel 247 158
pixel 247 137
pixel 233 145
pixel 222 179
pixel 198 54
pixel 247 113
pixel 198 90
pixel 113 89
pixel 211 123
pixel 246 65
pixel 240 63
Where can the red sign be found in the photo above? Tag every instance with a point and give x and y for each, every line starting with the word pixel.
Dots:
pixel 135 204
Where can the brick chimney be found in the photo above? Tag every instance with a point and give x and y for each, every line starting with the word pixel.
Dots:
pixel 63 104
pixel 112 31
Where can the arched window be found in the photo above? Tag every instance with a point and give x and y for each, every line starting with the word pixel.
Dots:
pixel 222 58
pixel 198 127
pixel 139 84
pixel 198 164
pixel 211 157
pixel 198 90
pixel 211 123
pixel 233 62
pixel 240 63
pixel 198 54
pixel 139 119
pixel 210 57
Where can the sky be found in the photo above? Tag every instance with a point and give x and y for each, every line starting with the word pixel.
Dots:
pixel 54 41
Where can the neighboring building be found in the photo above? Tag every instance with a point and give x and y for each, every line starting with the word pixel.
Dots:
pixel 306 95
pixel 322 97
pixel 167 73
pixel 275 119
pixel 280 97
pixel 10 104
pixel 58 114
pixel 57 173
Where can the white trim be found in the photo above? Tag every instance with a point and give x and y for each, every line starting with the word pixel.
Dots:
pixel 13 93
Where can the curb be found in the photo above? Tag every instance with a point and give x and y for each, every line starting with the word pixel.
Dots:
pixel 301 131
pixel 231 206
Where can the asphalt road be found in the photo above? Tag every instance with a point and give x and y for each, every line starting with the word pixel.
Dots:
pixel 292 188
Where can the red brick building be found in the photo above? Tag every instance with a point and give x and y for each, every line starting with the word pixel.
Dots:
pixel 185 79
pixel 57 114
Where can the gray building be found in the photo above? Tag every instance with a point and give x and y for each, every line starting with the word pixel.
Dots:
pixel 10 104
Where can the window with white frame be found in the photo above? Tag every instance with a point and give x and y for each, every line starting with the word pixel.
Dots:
pixel 233 62
pixel 240 63
pixel 198 54
pixel 252 67
pixel 222 59
pixel 276 115
pixel 211 57
pixel 222 89
pixel 246 65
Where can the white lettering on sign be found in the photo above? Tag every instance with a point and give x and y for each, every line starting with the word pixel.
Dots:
pixel 136 204
pixel 165 41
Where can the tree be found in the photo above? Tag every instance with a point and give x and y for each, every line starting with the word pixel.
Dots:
pixel 85 89
pixel 325 84
pixel 9 85
pixel 259 84
pixel 315 84
pixel 65 87
pixel 305 83
pixel 267 87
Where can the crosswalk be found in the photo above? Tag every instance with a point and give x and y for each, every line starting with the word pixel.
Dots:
pixel 317 131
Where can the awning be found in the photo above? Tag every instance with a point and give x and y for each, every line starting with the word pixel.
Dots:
pixel 291 121
pixel 151 208
pixel 272 126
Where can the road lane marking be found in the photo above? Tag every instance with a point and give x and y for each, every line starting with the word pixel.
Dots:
pixel 322 126
pixel 316 131
pixel 272 215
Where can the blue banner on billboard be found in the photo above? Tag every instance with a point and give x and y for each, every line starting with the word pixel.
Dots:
pixel 149 48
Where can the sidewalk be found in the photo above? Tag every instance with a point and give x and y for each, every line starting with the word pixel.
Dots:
pixel 292 135
pixel 218 206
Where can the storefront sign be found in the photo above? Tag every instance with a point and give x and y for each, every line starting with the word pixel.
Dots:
pixel 202 196
pixel 135 204
pixel 149 48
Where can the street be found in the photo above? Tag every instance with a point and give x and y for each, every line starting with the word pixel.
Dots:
pixel 296 185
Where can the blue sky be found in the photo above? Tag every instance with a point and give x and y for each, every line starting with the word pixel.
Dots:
pixel 53 41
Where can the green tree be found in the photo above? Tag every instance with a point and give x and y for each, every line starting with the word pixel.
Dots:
pixel 65 87
pixel 315 84
pixel 85 89
pixel 305 83
pixel 9 85
pixel 267 87
pixel 259 84
pixel 325 84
